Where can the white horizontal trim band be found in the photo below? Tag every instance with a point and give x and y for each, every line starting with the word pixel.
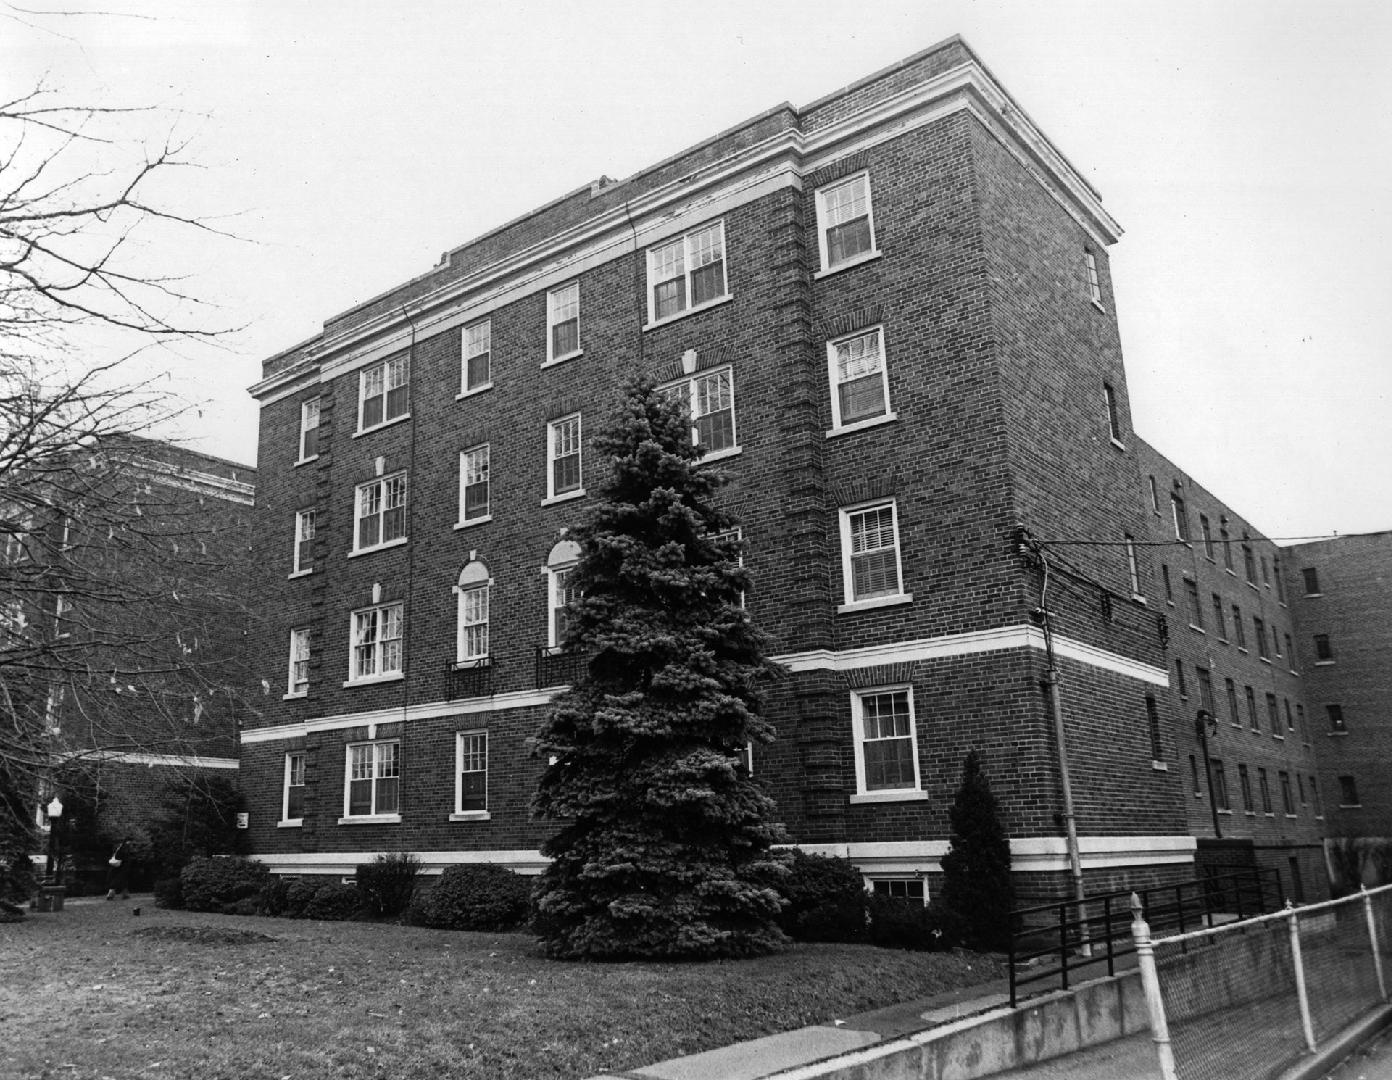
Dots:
pixel 181 761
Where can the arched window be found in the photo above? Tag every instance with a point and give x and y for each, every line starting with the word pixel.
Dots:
pixel 559 566
pixel 472 590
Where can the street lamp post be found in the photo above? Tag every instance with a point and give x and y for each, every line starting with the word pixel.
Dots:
pixel 1206 727
pixel 55 814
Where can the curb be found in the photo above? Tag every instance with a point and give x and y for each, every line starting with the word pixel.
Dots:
pixel 1341 1046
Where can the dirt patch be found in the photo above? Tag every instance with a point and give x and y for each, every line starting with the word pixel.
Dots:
pixel 204 935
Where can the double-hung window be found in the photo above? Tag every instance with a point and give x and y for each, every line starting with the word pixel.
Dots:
pixel 376 642
pixel 1324 651
pixel 474 485
pixel 1259 631
pixel 1093 285
pixel 380 512
pixel 1181 518
pixel 563 322
pixel 1219 620
pixel 886 742
pixel 293 796
pixel 383 391
pixel 563 474
pixel 303 561
pixel 845 222
pixel 1245 781
pixel 477 371
pixel 686 273
pixel 859 378
pixel 297 683
pixel 471 774
pixel 708 401
pixel 309 429
pixel 1234 716
pixel 473 591
pixel 1265 789
pixel 562 592
pixel 870 553
pixel 1113 412
pixel 374 780
pixel 1133 566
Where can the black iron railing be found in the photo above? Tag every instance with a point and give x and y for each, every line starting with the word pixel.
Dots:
pixel 557 668
pixel 469 678
pixel 1054 941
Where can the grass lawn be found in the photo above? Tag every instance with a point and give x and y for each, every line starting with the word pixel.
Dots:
pixel 93 992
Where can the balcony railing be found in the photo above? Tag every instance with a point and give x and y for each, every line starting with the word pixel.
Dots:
pixel 470 678
pixel 557 668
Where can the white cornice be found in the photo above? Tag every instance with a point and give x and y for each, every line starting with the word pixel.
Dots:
pixel 180 761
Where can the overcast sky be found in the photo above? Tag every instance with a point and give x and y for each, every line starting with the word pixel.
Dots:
pixel 1245 148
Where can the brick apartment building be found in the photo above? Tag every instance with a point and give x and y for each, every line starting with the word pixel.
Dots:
pixel 892 314
pixel 1342 592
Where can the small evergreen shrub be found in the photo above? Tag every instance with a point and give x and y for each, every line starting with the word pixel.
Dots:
pixel 826 899
pixel 334 902
pixel 169 893
pixel 298 896
pixel 273 896
pixel 387 884
pixel 898 923
pixel 217 884
pixel 976 868
pixel 475 897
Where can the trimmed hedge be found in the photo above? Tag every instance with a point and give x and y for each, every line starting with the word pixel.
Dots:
pixel 169 893
pixel 387 884
pixel 474 897
pixel 826 899
pixel 218 884
pixel 334 902
pixel 898 923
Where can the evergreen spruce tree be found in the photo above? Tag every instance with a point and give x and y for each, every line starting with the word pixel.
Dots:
pixel 976 868
pixel 665 846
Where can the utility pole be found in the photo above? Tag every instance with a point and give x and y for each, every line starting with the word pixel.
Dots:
pixel 1206 727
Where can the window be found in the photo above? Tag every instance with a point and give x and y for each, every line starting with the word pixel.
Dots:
pixel 1194 774
pixel 1153 726
pixel 1206 530
pixel 1154 494
pixel 382 393
pixel 374 780
pixel 1336 719
pixel 1275 642
pixel 1315 798
pixel 1312 583
pixel 563 322
pixel 910 889
pixel 298 681
pixel 1191 589
pixel 1113 416
pixel 376 642
pixel 845 222
pixel 1290 650
pixel 686 273
pixel 1227 542
pixel 1220 787
pixel 870 553
pixel 1252 721
pixel 1165 580
pixel 1348 792
pixel 1300 788
pixel 1290 717
pixel 886 742
pixel 1181 518
pixel 471 776
pixel 1094 287
pixel 303 560
pixel 1280 579
pixel 1249 562
pixel 1300 721
pixel 1205 679
pixel 1286 800
pixel 1265 791
pixel 1218 618
pixel 1273 716
pixel 859 380
pixel 560 565
pixel 477 371
pixel 292 800
pixel 1244 781
pixel 1323 650
pixel 1259 631
pixel 1239 627
pixel 708 401
pixel 309 429
pixel 1234 715
pixel 1180 684
pixel 1266 576
pixel 381 512
pixel 563 454
pixel 474 485
pixel 473 592
pixel 1133 566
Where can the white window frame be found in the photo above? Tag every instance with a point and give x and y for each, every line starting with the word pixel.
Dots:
pixel 1094 283
pixel 381 652
pixel 558 300
pixel 466 751
pixel 475 340
pixel 383 487
pixel 465 465
pixel 375 814
pixel 286 784
pixel 824 224
pixel 298 665
pixel 556 601
pixel 304 535
pixel 474 581
pixel 864 794
pixel 871 880
pixel 838 422
pixel 395 374
pixel 852 603
pixel 1133 567
pixel 684 271
pixel 685 390
pixel 309 408
pixel 1109 398
pixel 552 437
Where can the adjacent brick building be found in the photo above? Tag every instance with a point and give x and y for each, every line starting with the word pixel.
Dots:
pixel 892 315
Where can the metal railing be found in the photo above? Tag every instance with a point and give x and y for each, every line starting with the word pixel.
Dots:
pixel 469 678
pixel 1053 941
pixel 557 668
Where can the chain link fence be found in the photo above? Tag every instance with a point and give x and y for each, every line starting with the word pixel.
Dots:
pixel 1245 1000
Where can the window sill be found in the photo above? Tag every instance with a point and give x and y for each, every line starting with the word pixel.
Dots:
pixel 652 324
pixel 1160 766
pixel 875 602
pixel 1264 660
pixel 372 680
pixel 371 819
pixel 1097 304
pixel 554 360
pixel 1117 443
pixel 473 663
pixel 1229 571
pixel 474 521
pixel 291 823
pixel 1225 810
pixel 1336 734
pixel 1198 629
pixel 720 455
pixel 1324 663
pixel 384 424
pixel 847 264
pixel 299 573
pixel 470 815
pixel 861 425
pixel 1308 595
pixel 1223 641
pixel 400 541
pixel 1250 813
pixel 295 697
pixel 315 457
pixel 1278 738
pixel 888 796
pixel 552 500
pixel 1242 649
pixel 471 393
pixel 1139 599
pixel 1350 806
